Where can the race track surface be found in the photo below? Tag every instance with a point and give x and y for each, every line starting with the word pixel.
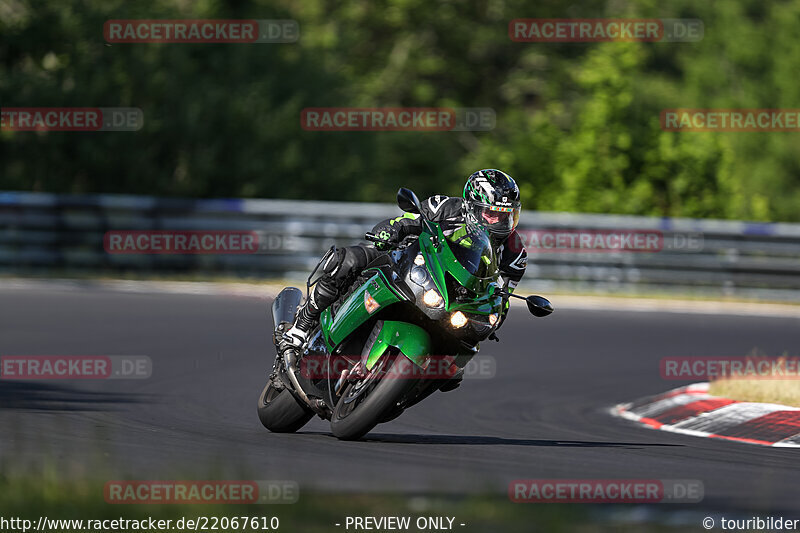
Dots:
pixel 544 414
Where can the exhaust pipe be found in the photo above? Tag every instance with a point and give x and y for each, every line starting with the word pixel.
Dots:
pixel 284 309
pixel 285 306
pixel 290 358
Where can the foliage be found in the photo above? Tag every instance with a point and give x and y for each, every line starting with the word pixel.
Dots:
pixel 577 123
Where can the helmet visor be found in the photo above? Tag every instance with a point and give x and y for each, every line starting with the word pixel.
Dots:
pixel 496 220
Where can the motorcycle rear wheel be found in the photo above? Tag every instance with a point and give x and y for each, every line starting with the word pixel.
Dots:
pixel 280 412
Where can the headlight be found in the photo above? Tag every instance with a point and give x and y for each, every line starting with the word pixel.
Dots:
pixel 493 319
pixel 458 319
pixel 432 298
pixel 419 276
pixel 419 260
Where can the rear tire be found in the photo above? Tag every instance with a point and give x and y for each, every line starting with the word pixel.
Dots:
pixel 353 422
pixel 280 412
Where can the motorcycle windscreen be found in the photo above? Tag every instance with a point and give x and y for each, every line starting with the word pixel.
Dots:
pixel 473 250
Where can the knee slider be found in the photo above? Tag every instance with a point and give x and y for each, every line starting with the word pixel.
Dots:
pixel 326 289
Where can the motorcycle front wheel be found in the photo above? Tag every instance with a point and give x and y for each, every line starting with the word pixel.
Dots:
pixel 368 401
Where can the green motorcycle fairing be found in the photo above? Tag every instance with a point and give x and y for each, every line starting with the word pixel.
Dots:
pixel 441 260
pixel 442 255
pixel 413 341
pixel 353 312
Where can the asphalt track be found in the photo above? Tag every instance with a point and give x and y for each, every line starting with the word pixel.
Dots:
pixel 542 416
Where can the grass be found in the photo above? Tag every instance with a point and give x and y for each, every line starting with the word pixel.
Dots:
pixel 784 392
pixel 29 497
pixel 33 496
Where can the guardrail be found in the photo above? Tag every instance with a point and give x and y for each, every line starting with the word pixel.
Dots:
pixel 52 234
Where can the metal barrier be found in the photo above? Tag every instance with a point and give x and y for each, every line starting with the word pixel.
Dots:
pixel 59 234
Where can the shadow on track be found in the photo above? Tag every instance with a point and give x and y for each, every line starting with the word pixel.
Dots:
pixel 489 441
pixel 41 397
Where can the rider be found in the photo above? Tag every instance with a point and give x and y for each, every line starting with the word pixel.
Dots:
pixel 490 199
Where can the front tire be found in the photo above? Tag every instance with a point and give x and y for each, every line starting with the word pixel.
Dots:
pixel 351 422
pixel 280 412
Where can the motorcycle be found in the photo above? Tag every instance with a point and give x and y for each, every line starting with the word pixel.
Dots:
pixel 405 328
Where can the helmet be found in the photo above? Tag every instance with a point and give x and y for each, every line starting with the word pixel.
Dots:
pixel 491 199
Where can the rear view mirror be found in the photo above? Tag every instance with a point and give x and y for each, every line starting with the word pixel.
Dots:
pixel 408 201
pixel 539 306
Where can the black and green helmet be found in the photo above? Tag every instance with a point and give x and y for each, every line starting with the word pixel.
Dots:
pixel 491 199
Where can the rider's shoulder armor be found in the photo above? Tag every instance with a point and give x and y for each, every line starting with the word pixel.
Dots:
pixel 515 244
pixel 513 258
pixel 440 208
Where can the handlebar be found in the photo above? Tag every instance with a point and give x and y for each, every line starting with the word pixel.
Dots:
pixel 374 238
pixel 406 240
